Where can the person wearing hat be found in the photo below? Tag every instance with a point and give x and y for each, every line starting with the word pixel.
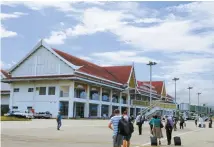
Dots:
pixel 59 120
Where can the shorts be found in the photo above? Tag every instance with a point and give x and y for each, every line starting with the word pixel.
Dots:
pixel 117 140
pixel 127 138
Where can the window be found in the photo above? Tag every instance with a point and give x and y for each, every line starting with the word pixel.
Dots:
pixel 42 90
pixel 15 107
pixel 64 91
pixel 29 107
pixel 30 89
pixel 51 90
pixel 16 90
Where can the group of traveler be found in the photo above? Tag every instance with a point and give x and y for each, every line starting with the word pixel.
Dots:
pixel 122 127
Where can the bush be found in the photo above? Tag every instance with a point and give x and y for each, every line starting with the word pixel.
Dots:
pixel 12 118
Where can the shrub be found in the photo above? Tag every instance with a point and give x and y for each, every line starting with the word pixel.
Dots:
pixel 12 118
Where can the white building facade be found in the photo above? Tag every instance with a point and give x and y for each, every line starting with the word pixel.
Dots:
pixel 51 80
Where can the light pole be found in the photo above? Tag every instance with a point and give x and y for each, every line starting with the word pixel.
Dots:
pixel 189 95
pixel 198 101
pixel 150 90
pixel 175 79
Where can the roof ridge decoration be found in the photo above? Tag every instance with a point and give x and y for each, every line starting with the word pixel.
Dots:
pixel 35 48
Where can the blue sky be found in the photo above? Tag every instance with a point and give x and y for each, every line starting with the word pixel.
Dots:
pixel 177 35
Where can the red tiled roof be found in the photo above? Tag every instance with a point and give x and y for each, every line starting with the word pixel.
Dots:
pixel 122 73
pixel 5 73
pixel 118 74
pixel 157 84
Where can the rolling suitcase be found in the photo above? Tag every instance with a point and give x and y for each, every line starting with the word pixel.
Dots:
pixel 154 141
pixel 177 141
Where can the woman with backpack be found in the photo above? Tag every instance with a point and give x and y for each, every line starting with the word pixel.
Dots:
pixel 157 131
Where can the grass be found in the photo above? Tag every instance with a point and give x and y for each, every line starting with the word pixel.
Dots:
pixel 10 118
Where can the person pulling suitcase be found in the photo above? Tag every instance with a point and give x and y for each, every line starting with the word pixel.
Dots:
pixel 169 127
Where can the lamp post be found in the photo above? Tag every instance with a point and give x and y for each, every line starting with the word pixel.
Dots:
pixel 198 101
pixel 189 95
pixel 175 79
pixel 150 90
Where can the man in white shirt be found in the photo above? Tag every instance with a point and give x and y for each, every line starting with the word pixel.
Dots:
pixel 139 122
pixel 114 121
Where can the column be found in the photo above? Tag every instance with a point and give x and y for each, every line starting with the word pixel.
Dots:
pixel 110 106
pixel 100 105
pixel 86 108
pixel 11 96
pixel 101 90
pixel 135 110
pixel 128 96
pixel 120 97
pixel 100 110
pixel 71 101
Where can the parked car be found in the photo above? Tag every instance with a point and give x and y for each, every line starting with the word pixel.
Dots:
pixel 46 115
pixel 23 114
pixel 10 113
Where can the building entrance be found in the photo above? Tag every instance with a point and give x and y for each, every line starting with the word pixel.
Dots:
pixel 79 109
pixel 63 108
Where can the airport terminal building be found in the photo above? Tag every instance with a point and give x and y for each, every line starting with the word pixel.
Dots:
pixel 48 79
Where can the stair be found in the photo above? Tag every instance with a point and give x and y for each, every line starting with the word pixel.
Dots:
pixel 150 108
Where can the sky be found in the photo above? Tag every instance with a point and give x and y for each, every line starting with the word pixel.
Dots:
pixel 179 36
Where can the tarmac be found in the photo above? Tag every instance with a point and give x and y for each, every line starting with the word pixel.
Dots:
pixel 90 133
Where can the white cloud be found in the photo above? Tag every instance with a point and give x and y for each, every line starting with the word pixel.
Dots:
pixel 148 20
pixel 190 68
pixel 91 25
pixel 171 35
pixel 56 38
pixel 5 33
pixel 122 57
pixel 5 16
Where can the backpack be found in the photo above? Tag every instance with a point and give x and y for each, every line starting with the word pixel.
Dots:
pixel 125 128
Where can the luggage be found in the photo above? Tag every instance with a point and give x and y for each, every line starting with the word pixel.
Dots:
pixel 210 125
pixel 204 126
pixel 177 141
pixel 154 141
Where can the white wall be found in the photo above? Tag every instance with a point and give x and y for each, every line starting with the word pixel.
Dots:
pixel 4 86
pixel 40 103
pixel 5 99
pixel 42 63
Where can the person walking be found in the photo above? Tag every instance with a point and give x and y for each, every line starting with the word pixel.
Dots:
pixel 169 127
pixel 196 121
pixel 59 121
pixel 157 125
pixel 181 122
pixel 139 122
pixel 126 139
pixel 114 121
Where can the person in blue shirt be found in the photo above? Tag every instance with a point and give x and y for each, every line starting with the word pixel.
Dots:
pixel 59 121
pixel 114 121
pixel 157 125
